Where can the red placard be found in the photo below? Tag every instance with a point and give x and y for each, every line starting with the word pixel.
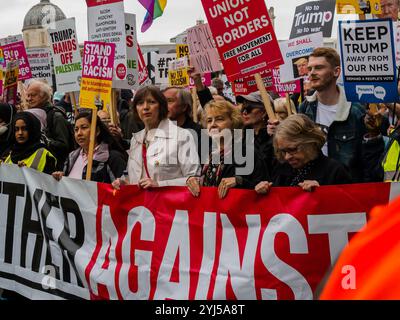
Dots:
pixel 248 85
pixel 244 36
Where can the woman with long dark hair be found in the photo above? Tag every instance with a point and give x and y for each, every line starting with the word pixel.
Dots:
pixel 109 159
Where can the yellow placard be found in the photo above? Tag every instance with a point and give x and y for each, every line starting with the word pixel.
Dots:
pixel 11 76
pixel 178 78
pixel 95 93
pixel 182 50
pixel 358 6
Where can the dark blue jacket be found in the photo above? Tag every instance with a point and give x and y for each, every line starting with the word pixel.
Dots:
pixel 345 135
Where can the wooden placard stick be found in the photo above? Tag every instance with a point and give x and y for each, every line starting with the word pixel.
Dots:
pixel 265 97
pixel 93 127
pixel 113 108
pixel 195 105
pixel 288 105
pixel 73 102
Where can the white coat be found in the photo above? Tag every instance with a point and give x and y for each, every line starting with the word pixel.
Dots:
pixel 171 158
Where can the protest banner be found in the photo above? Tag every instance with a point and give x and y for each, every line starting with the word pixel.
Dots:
pixel 40 63
pixel 368 60
pixel 358 7
pixel 81 240
pixel 142 67
pixel 295 54
pixel 244 36
pixel 161 63
pixel 248 85
pixel 106 23
pixel 178 73
pixel 132 78
pixel 14 49
pixel 11 82
pixel 182 50
pixel 203 53
pixel 150 59
pixel 66 56
pixel 97 75
pixel 283 88
pixel 313 17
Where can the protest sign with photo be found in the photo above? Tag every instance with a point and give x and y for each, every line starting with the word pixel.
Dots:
pixel 66 56
pixel 358 6
pixel 178 73
pixel 97 75
pixel 161 67
pixel 203 53
pixel 11 82
pixel 295 53
pixel 368 60
pixel 313 17
pixel 132 76
pixel 244 36
pixel 40 62
pixel 14 49
pixel 106 23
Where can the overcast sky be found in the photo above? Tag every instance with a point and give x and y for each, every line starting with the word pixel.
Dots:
pixel 178 16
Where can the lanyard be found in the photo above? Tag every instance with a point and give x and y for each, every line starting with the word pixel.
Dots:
pixel 144 157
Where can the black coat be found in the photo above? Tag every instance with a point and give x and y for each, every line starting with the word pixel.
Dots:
pixel 326 171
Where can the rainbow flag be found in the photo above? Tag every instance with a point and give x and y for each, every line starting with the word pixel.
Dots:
pixel 155 9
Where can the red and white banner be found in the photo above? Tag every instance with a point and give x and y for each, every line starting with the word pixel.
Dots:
pixel 80 240
pixel 244 36
pixel 248 85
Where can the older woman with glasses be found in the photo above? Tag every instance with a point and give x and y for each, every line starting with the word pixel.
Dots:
pixel 297 143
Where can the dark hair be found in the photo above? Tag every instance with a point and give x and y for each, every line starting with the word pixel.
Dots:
pixel 156 93
pixel 104 134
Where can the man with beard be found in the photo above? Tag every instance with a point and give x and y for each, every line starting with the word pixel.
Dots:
pixel 342 121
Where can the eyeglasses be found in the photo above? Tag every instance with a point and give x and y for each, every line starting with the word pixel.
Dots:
pixel 248 109
pixel 290 151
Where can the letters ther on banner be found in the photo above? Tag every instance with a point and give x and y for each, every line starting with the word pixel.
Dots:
pixel 79 240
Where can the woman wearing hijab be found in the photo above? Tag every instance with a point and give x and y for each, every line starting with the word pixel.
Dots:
pixel 26 146
pixel 109 158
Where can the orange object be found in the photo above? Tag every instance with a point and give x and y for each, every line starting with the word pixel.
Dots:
pixel 373 255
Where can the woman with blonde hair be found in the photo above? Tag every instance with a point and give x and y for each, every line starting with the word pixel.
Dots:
pixel 224 168
pixel 297 144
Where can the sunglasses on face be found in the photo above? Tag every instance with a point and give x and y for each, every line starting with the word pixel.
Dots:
pixel 248 109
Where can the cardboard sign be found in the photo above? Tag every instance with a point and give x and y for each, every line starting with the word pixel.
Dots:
pixel 295 53
pixel 11 82
pixel 178 73
pixel 66 56
pixel 161 67
pixel 14 49
pixel 203 53
pixel 132 79
pixel 106 23
pixel 244 36
pixel 313 17
pixel 182 50
pixel 368 60
pixel 40 62
pixel 97 75
pixel 358 6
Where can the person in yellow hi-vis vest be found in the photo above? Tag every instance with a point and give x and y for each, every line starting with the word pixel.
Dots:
pixel 26 149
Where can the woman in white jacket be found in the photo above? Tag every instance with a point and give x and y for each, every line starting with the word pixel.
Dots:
pixel 162 154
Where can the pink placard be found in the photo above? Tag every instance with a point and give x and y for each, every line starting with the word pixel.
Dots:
pixel 16 51
pixel 98 60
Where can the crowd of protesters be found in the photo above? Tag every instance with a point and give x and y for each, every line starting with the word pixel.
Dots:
pixel 155 141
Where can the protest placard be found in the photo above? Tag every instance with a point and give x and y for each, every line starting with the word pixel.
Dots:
pixel 161 67
pixel 295 53
pixel 40 62
pixel 106 23
pixel 11 82
pixel 248 84
pixel 205 78
pixel 142 68
pixel 1 70
pixel 14 49
pixel 313 17
pixel 66 56
pixel 178 73
pixel 244 36
pixel 203 53
pixel 97 75
pixel 368 60
pixel 182 50
pixel 358 6
pixel 287 87
pixel 132 78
